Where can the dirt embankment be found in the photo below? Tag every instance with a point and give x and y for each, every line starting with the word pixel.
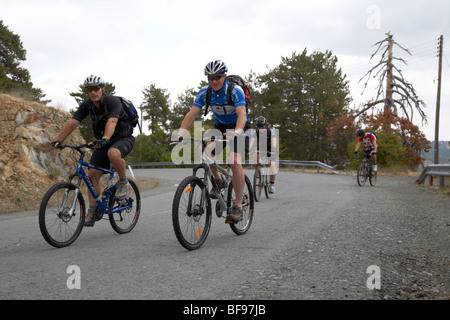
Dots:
pixel 28 163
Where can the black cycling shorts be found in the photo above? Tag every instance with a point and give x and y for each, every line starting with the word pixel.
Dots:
pixel 240 144
pixel 370 150
pixel 100 156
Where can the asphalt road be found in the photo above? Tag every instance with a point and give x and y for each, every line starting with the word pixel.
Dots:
pixel 317 238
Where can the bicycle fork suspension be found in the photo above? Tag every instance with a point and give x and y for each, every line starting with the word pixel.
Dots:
pixel 71 212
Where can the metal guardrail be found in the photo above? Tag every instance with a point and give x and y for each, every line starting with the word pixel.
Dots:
pixel 432 170
pixel 319 165
pixel 154 164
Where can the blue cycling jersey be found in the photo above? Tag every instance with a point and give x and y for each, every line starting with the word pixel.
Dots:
pixel 224 112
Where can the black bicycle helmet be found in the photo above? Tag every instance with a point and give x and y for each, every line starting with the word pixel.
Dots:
pixel 360 133
pixel 93 81
pixel 261 122
pixel 216 67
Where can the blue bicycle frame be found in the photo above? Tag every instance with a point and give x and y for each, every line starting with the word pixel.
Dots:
pixel 102 203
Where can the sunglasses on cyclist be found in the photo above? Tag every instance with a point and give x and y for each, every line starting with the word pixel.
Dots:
pixel 215 77
pixel 95 89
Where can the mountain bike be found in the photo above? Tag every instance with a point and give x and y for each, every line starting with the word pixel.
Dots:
pixel 192 209
pixel 261 180
pixel 63 210
pixel 365 171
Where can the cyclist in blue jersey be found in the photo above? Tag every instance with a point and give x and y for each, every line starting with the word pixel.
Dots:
pixel 231 119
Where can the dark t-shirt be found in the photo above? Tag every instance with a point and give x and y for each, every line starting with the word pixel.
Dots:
pixel 111 107
pixel 268 134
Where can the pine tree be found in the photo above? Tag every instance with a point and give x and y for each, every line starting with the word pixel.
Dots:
pixel 156 107
pixel 301 97
pixel 14 79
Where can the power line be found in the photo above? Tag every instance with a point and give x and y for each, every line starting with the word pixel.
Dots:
pixel 430 46
pixel 419 52
pixel 421 59
pixel 423 45
pixel 448 63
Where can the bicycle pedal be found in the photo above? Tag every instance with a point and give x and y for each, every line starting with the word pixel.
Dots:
pixel 230 221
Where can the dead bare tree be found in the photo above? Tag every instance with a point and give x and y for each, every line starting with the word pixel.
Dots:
pixel 400 94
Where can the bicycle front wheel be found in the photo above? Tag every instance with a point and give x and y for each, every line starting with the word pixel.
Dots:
pixel 61 215
pixel 191 213
pixel 257 184
pixel 361 175
pixel 125 220
pixel 373 178
pixel 248 206
pixel 266 186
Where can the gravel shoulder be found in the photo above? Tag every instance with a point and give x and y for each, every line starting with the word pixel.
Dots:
pixel 398 226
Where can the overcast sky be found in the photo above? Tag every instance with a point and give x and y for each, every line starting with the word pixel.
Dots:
pixel 135 43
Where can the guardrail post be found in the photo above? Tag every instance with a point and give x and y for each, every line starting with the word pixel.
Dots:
pixel 435 170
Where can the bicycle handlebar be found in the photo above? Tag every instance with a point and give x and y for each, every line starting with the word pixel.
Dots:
pixel 356 152
pixel 77 148
pixel 204 140
pixel 212 138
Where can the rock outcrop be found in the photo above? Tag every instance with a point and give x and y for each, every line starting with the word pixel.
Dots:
pixel 28 163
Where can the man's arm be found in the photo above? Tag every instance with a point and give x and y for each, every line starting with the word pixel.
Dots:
pixel 274 141
pixel 357 146
pixel 242 119
pixel 68 128
pixel 110 127
pixel 375 145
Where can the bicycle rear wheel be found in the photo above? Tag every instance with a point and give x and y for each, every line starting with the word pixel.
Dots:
pixel 361 175
pixel 61 215
pixel 248 206
pixel 257 184
pixel 125 220
pixel 191 213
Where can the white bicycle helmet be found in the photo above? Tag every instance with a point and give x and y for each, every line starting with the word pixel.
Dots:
pixel 215 67
pixel 93 81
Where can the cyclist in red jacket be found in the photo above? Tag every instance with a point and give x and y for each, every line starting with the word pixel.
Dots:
pixel 370 145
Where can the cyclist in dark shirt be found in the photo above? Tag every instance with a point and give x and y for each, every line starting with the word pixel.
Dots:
pixel 266 148
pixel 113 133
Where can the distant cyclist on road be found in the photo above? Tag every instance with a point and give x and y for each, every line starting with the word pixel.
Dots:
pixel 370 145
pixel 265 148
pixel 231 118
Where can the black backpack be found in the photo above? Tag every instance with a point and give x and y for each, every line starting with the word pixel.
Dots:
pixel 131 111
pixel 233 81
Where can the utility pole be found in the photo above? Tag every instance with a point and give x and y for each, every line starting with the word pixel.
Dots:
pixel 438 103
